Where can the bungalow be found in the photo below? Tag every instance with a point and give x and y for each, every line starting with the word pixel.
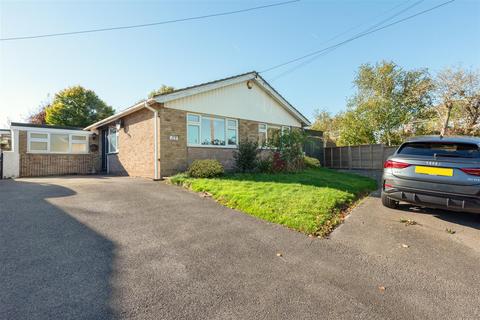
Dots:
pixel 162 135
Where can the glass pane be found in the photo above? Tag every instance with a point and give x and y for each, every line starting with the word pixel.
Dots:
pixel 262 138
pixel 232 123
pixel 39 135
pixel 193 118
pixel 79 138
pixel 193 134
pixel 232 136
pixel 79 147
pixel 38 146
pixel 441 149
pixel 262 127
pixel 273 135
pixel 112 142
pixel 206 131
pixel 59 142
pixel 219 132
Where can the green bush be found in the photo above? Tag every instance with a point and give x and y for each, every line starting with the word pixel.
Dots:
pixel 288 155
pixel 265 165
pixel 246 156
pixel 205 169
pixel 311 162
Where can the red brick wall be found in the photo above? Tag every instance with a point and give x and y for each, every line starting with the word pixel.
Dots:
pixel 36 164
pixel 135 146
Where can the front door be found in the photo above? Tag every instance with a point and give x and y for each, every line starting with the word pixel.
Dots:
pixel 104 150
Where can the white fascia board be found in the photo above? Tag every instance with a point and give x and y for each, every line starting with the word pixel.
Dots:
pixel 282 101
pixel 116 116
pixel 51 130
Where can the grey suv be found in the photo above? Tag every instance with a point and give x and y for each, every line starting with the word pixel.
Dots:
pixel 435 172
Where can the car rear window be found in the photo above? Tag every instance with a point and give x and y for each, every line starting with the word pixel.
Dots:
pixel 440 149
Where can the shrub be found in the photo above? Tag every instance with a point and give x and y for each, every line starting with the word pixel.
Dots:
pixel 205 169
pixel 246 156
pixel 288 148
pixel 265 165
pixel 311 162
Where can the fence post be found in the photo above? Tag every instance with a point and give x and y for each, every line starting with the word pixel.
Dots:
pixel 341 160
pixel 360 156
pixel 324 156
pixel 371 156
pixel 331 158
pixel 349 158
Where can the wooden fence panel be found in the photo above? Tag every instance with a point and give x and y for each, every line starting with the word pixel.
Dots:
pixel 369 157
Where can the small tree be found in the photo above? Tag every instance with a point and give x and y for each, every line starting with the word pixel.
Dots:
pixel 246 156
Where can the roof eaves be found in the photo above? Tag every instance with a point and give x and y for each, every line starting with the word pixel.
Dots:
pixel 47 126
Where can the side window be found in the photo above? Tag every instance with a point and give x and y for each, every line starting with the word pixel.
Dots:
pixel 193 129
pixel 262 134
pixel 38 142
pixel 112 140
pixel 79 144
pixel 232 132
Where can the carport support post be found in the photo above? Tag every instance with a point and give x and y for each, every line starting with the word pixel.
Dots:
pixel 155 140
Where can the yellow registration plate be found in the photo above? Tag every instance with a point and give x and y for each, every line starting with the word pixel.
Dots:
pixel 448 172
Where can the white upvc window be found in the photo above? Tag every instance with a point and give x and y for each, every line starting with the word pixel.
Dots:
pixel 38 142
pixel 267 132
pixel 57 142
pixel 211 131
pixel 262 134
pixel 112 140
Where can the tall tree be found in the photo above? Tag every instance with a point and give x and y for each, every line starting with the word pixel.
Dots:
pixel 77 107
pixel 458 100
pixel 162 90
pixel 387 98
pixel 328 124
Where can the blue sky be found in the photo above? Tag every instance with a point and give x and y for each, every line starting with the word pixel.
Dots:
pixel 123 66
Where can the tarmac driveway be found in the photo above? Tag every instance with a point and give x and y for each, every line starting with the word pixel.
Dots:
pixel 107 248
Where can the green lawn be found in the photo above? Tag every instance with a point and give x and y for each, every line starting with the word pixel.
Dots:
pixel 310 201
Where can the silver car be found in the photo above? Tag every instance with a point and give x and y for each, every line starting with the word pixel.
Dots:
pixel 434 172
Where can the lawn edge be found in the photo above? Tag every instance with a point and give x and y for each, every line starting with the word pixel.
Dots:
pixel 338 216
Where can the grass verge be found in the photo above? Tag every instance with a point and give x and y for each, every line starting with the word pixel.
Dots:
pixel 311 201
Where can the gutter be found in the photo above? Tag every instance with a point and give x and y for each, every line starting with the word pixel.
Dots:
pixel 155 140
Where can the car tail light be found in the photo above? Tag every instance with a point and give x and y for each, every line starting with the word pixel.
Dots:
pixel 472 171
pixel 395 164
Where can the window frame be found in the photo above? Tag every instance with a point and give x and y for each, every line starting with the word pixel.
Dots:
pixel 211 118
pixel 282 129
pixel 48 141
pixel 116 141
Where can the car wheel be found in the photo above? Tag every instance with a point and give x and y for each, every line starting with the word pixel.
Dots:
pixel 389 203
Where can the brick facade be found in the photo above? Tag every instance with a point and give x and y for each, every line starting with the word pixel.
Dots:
pixel 37 164
pixel 135 146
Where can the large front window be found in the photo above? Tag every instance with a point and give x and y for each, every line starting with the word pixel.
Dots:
pixel 211 131
pixel 47 142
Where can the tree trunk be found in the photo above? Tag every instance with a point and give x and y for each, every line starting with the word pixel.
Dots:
pixel 447 118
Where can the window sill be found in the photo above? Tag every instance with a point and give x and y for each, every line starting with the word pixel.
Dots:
pixel 56 153
pixel 211 146
pixel 108 153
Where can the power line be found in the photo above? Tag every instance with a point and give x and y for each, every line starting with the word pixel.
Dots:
pixel 335 47
pixel 150 24
pixel 356 37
